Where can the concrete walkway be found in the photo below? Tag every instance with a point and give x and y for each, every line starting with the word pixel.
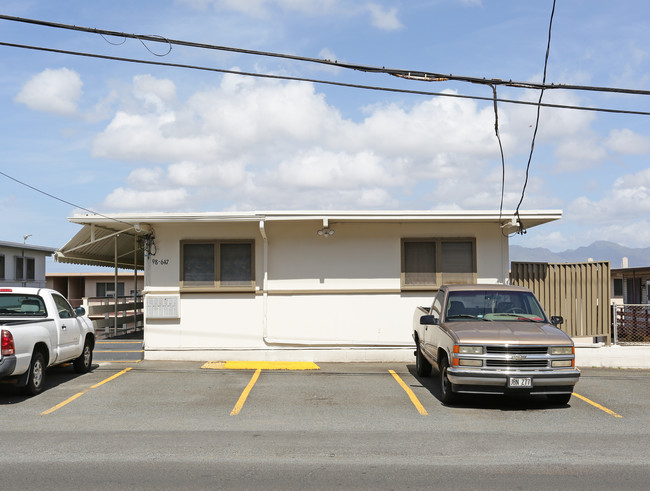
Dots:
pixel 597 355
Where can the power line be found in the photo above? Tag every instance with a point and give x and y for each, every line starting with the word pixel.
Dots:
pixel 532 143
pixel 320 81
pixel 419 75
pixel 62 200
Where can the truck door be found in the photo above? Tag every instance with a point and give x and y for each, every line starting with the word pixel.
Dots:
pixel 69 329
pixel 430 337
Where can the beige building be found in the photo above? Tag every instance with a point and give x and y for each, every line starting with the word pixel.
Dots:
pixel 317 286
pixel 76 286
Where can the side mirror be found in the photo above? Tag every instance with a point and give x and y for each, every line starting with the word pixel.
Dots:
pixel 429 320
pixel 80 311
pixel 556 320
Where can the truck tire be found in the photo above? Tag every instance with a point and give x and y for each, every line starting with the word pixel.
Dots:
pixel 85 360
pixel 422 365
pixel 447 396
pixel 36 374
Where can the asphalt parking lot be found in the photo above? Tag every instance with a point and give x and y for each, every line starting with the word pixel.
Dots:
pixel 166 425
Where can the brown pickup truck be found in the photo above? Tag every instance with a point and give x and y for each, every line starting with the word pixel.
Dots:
pixel 493 339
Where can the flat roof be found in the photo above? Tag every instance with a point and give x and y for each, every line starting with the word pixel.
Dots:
pixel 103 236
pixel 28 247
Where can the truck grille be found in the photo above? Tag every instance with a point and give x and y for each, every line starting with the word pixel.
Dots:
pixel 517 363
pixel 517 350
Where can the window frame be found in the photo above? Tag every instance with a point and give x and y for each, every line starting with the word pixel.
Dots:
pixel 217 285
pixel 437 241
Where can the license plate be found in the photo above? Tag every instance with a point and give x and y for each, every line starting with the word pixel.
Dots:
pixel 520 382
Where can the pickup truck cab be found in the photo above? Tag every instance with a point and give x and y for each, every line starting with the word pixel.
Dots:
pixel 40 329
pixel 493 339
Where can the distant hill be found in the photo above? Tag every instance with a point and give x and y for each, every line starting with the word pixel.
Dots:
pixel 598 251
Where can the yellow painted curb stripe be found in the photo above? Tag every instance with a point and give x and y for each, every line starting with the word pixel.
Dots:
pixel 261 365
pixel 118 342
pixel 79 394
pixel 595 404
pixel 244 395
pixel 116 351
pixel 410 393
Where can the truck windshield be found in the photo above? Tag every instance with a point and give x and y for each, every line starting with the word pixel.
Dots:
pixel 15 305
pixel 493 305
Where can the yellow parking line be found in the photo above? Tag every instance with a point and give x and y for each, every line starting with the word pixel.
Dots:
pixel 79 394
pixel 595 404
pixel 244 395
pixel 261 365
pixel 410 393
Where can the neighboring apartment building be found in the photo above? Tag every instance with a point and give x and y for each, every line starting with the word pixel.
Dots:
pixel 23 264
pixel 76 286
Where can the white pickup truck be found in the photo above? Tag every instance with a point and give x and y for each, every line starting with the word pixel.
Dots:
pixel 40 329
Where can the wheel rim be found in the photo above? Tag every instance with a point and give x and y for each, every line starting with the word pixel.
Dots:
pixel 87 354
pixel 445 381
pixel 37 373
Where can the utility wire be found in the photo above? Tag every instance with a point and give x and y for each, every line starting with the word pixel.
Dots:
pixel 320 81
pixel 419 75
pixel 539 107
pixel 62 200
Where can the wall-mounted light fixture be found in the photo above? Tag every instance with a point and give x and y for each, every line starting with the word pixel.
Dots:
pixel 325 232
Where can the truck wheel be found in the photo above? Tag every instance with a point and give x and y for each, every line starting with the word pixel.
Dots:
pixel 447 395
pixel 422 365
pixel 558 399
pixel 85 360
pixel 36 374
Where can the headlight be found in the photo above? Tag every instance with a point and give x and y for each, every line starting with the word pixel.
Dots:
pixel 470 363
pixel 562 363
pixel 562 350
pixel 468 350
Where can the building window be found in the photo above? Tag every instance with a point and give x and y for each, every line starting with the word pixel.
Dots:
pixel 25 268
pixel 430 263
pixel 618 287
pixel 19 270
pixel 30 268
pixel 218 264
pixel 2 267
pixel 108 289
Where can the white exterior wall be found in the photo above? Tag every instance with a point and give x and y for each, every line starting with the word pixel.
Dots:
pixel 10 253
pixel 325 299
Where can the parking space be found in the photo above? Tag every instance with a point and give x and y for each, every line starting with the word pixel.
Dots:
pixel 340 395
pixel 171 423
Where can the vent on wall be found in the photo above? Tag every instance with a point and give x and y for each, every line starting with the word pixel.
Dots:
pixel 162 306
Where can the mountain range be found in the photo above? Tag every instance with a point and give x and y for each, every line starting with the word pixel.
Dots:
pixel 598 251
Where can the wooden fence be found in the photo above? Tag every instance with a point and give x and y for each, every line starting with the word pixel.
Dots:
pixel 579 292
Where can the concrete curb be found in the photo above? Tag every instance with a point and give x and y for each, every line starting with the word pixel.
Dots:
pixel 600 356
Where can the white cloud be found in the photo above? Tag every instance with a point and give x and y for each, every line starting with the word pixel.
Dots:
pixel 629 197
pixel 382 18
pixel 53 91
pixel 128 199
pixel 263 143
pixel 385 18
pixel 627 142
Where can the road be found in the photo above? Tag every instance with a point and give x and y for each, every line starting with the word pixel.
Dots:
pixel 174 425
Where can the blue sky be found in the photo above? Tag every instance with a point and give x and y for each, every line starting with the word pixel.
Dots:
pixel 118 137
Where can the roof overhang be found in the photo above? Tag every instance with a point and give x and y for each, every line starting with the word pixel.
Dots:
pixel 96 243
pixel 109 243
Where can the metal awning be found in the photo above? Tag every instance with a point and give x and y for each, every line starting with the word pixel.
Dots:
pixel 109 244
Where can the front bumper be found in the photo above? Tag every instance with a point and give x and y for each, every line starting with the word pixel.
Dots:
pixel 496 381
